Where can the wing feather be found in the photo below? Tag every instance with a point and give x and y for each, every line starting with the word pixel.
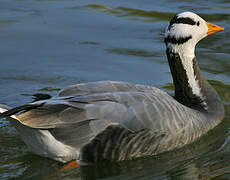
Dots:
pixel 80 112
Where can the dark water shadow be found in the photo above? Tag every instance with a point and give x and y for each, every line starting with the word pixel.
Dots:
pixel 150 16
pixel 133 52
pixel 127 12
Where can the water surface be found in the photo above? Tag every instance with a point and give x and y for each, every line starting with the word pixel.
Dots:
pixel 49 44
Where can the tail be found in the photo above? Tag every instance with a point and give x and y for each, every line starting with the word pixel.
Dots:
pixel 6 111
pixel 3 109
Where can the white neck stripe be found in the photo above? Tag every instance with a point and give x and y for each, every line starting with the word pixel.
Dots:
pixel 186 56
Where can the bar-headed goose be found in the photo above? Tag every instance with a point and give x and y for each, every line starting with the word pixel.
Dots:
pixel 110 120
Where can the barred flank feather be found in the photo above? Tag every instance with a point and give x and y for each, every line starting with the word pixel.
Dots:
pixel 117 143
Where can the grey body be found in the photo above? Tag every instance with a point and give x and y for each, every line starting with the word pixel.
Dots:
pixel 113 121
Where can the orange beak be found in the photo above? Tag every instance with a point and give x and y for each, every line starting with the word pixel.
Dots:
pixel 212 28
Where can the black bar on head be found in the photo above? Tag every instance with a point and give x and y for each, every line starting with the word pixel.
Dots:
pixel 174 40
pixel 181 20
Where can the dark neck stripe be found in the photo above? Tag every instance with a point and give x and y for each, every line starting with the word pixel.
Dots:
pixel 183 92
pixel 181 20
pixel 174 40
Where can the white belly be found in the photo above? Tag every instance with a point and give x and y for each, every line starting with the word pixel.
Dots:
pixel 42 142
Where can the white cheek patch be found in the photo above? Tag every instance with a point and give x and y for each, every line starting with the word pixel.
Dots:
pixel 181 30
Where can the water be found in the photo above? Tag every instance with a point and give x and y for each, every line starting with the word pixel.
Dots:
pixel 49 44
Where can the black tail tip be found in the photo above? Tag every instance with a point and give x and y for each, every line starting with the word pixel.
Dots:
pixel 41 96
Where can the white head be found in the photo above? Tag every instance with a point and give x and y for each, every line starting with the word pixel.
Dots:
pixel 184 31
pixel 188 28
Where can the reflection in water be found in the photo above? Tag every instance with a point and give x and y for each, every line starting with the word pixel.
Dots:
pixel 128 12
pixel 133 52
pixel 49 89
pixel 216 166
pixel 6 22
pixel 223 90
pixel 151 15
pixel 89 43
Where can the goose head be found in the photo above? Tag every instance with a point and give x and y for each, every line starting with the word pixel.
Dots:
pixel 187 29
pixel 182 34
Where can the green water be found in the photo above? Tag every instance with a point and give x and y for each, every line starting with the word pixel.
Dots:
pixel 49 44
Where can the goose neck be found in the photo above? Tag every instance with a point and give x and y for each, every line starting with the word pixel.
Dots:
pixel 187 77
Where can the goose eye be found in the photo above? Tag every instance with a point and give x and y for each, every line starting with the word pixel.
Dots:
pixel 198 23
